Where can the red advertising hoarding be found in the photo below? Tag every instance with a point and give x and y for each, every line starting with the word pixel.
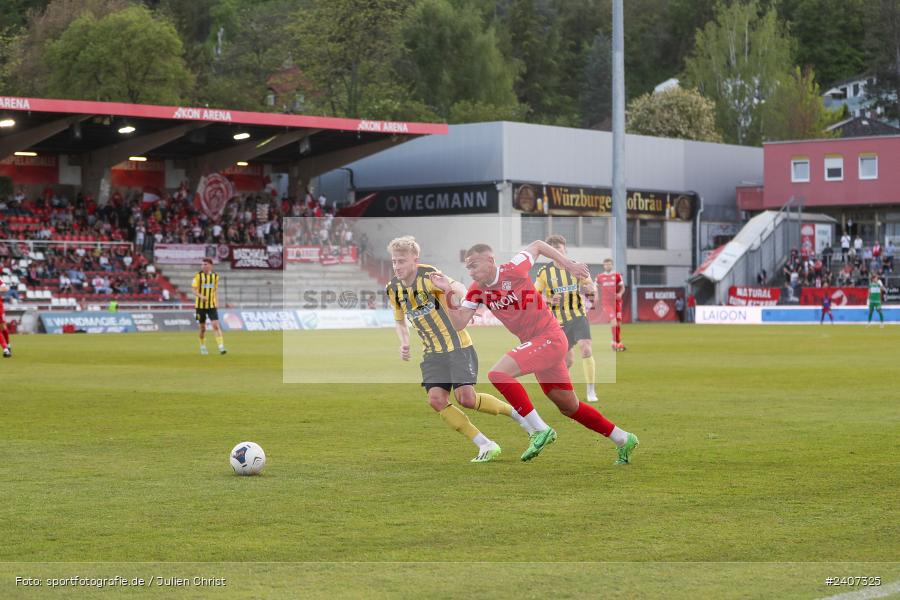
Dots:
pixel 658 304
pixel 139 174
pixel 24 170
pixel 840 296
pixel 753 296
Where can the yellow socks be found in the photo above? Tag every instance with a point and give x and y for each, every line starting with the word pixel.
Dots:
pixel 492 405
pixel 456 419
pixel 589 367
pixel 220 341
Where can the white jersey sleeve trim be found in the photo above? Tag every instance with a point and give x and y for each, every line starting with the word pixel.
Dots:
pixel 469 304
pixel 523 255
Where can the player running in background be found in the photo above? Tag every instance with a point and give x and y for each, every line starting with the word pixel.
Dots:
pixel 449 361
pixel 4 331
pixel 507 290
pixel 563 293
pixel 611 288
pixel 876 294
pixel 205 287
pixel 826 309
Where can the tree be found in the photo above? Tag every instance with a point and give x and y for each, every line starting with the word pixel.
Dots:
pixel 534 36
pixel 28 71
pixel 883 40
pixel 830 36
pixel 348 49
pixel 451 56
pixel 125 56
pixel 674 113
pixel 596 103
pixel 796 111
pixel 737 62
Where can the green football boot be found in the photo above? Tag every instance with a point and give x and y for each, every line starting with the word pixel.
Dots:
pixel 538 441
pixel 626 451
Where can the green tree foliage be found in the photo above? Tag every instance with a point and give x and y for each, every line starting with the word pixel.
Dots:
pixel 674 113
pixel 830 36
pixel 28 70
pixel 534 40
pixel 796 110
pixel 597 96
pixel 107 59
pixel 737 62
pixel 883 41
pixel 451 56
pixel 347 49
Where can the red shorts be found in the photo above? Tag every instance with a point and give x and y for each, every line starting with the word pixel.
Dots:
pixel 612 311
pixel 545 356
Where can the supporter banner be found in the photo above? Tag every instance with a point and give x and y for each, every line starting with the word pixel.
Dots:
pixel 249 178
pixel 572 201
pixel 24 170
pixel 88 321
pixel 213 193
pixel 807 239
pixel 843 296
pixel 256 257
pixel 184 254
pixel 753 296
pixel 425 202
pixel 658 304
pixel 139 174
pixel 315 254
pixel 728 315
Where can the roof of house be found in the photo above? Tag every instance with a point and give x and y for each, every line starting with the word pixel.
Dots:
pixel 863 127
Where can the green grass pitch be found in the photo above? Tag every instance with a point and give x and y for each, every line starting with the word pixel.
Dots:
pixel 769 460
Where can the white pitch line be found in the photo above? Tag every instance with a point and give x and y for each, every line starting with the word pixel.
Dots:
pixel 868 593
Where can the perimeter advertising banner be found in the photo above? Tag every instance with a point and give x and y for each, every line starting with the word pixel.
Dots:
pixel 88 322
pixel 31 169
pixel 753 296
pixel 566 200
pixel 425 202
pixel 658 304
pixel 840 296
pixel 187 254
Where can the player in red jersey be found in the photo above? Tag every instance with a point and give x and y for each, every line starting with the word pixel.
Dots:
pixel 611 288
pixel 4 331
pixel 507 290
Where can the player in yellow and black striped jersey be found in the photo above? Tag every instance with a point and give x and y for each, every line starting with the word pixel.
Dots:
pixel 205 288
pixel 563 293
pixel 449 361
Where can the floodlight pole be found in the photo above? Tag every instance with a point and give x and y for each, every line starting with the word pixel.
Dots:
pixel 619 212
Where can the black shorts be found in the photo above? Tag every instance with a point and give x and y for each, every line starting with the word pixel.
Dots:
pixel 207 314
pixel 577 329
pixel 450 370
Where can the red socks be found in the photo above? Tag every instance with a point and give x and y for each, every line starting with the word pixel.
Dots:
pixel 617 334
pixel 513 391
pixel 591 418
pixel 6 337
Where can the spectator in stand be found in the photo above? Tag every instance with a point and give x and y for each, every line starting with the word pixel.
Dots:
pixel 845 246
pixel 858 246
pixel 165 296
pixel 65 284
pixel 691 307
pixel 889 257
pixel 100 285
pixel 679 308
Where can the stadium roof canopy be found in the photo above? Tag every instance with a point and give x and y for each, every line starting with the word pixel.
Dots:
pixel 100 132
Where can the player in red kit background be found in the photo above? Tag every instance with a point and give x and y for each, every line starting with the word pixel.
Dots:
pixel 4 331
pixel 507 290
pixel 611 288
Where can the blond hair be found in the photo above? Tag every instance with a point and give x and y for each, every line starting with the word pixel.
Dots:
pixel 406 244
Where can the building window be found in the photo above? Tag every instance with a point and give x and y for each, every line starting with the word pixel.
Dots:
pixel 834 168
pixel 650 234
pixel 651 275
pixel 868 166
pixel 800 170
pixel 855 90
pixel 534 227
pixel 595 231
pixel 566 227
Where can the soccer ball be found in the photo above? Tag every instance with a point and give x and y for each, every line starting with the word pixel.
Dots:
pixel 248 458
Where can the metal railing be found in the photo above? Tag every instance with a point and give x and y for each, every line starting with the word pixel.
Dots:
pixel 768 252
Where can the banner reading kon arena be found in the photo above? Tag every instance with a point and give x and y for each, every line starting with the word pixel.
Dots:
pixel 566 200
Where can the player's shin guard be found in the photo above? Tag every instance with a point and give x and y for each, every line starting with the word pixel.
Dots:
pixel 591 418
pixel 492 405
pixel 458 421
pixel 513 391
pixel 589 367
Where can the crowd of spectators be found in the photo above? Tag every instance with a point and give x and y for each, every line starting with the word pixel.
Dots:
pixel 853 267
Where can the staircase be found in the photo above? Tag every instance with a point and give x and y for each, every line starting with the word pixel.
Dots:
pixel 308 285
